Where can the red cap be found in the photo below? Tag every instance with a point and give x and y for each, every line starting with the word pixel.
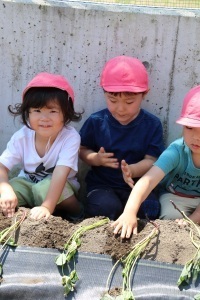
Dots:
pixel 190 114
pixel 124 74
pixel 50 80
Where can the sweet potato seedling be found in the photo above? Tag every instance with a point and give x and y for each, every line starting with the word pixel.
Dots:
pixel 128 262
pixel 191 270
pixel 7 235
pixel 70 249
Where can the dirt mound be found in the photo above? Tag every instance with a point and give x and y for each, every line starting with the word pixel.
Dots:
pixel 172 245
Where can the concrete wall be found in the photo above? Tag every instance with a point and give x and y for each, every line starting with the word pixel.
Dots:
pixel 75 39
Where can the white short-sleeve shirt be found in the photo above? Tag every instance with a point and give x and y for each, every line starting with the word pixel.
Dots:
pixel 21 150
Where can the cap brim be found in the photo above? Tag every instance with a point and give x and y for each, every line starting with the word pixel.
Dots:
pixel 188 122
pixel 117 89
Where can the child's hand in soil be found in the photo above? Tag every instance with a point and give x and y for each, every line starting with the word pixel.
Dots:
pixel 126 224
pixel 181 222
pixel 8 202
pixel 39 212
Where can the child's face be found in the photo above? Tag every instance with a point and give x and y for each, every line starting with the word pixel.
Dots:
pixel 191 137
pixel 124 107
pixel 47 121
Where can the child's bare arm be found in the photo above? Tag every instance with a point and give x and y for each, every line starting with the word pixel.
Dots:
pixel 127 222
pixel 136 170
pixel 100 158
pixel 195 216
pixel 59 178
pixel 8 200
pixel 143 166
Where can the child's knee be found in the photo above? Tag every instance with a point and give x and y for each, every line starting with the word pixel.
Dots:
pixel 168 212
pixel 40 190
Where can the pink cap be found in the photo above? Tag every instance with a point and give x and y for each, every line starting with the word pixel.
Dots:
pixel 190 114
pixel 50 80
pixel 124 74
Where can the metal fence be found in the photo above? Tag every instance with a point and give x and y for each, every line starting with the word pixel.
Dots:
pixel 155 3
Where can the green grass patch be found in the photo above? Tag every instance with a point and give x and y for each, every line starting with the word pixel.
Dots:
pixel 157 3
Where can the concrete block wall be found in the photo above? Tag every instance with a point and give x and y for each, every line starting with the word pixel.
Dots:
pixel 75 39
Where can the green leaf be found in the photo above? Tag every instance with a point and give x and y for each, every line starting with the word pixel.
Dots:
pixel 74 276
pixel 69 282
pixel 78 242
pixel 195 274
pixel 11 242
pixel 70 255
pixel 71 247
pixel 61 259
pixel 71 250
pixel 67 289
pixel 128 295
pixel 68 285
pixel 197 297
pixel 186 274
pixel 65 280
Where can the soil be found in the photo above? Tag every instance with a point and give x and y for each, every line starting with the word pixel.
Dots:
pixel 171 245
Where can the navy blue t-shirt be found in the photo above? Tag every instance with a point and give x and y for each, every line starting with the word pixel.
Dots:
pixel 142 136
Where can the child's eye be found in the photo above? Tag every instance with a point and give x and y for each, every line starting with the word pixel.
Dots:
pixel 35 110
pixel 54 111
pixel 187 127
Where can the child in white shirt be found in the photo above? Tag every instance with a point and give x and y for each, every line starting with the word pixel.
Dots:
pixel 46 148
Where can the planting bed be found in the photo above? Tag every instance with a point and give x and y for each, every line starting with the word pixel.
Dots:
pixel 157 271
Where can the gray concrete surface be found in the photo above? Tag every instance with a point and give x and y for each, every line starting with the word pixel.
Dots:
pixel 76 38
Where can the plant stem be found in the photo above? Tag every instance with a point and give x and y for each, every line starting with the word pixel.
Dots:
pixel 79 232
pixel 191 268
pixel 8 232
pixel 188 220
pixel 129 261
pixel 110 274
pixel 70 249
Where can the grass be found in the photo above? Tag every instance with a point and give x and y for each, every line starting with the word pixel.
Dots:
pixel 158 3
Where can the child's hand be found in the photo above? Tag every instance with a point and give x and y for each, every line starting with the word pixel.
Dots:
pixel 8 202
pixel 106 159
pixel 181 222
pixel 127 173
pixel 126 224
pixel 39 212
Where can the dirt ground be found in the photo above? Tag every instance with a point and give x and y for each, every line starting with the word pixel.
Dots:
pixel 171 245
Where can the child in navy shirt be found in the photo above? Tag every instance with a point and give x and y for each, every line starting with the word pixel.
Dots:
pixel 122 131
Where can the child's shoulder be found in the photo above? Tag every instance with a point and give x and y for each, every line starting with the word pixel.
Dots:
pixel 22 132
pixel 177 146
pixel 176 151
pixel 178 143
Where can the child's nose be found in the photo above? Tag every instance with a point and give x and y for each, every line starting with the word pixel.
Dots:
pixel 121 107
pixel 44 115
pixel 196 136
